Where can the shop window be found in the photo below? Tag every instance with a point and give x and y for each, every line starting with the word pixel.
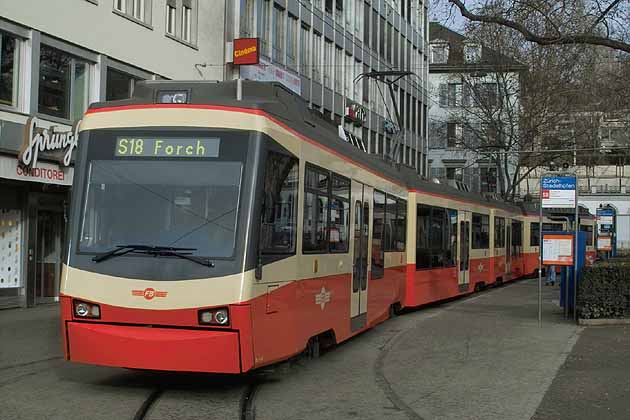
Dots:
pixel 279 220
pixel 9 72
pixel 480 231
pixel 499 232
pixel 63 84
pixel 119 85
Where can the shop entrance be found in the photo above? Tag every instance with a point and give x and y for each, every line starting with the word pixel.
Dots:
pixel 48 256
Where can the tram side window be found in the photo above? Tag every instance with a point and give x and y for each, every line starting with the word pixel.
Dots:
pixel 480 231
pixel 436 237
pixel 499 232
pixel 395 224
pixel 279 222
pixel 517 238
pixel 589 234
pixel 534 234
pixel 315 210
pixel 339 214
pixel 378 252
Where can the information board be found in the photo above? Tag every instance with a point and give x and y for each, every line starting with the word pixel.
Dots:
pixel 558 192
pixel 557 249
pixel 605 219
pixel 604 243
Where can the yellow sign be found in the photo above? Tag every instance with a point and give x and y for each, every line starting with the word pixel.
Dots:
pixel 166 147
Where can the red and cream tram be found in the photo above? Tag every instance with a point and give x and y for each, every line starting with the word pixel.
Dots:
pixel 215 232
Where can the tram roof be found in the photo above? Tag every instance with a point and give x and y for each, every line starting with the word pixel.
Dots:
pixel 292 110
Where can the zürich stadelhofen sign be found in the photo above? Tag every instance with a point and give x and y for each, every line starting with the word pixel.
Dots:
pixel 47 140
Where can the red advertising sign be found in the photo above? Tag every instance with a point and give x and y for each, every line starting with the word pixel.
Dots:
pixel 246 51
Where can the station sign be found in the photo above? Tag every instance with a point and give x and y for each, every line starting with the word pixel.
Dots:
pixel 557 249
pixel 558 192
pixel 604 243
pixel 605 219
pixel 246 51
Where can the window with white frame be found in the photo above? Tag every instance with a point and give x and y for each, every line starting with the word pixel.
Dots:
pixel 317 56
pixel 305 51
pixel 138 10
pixel 181 20
pixel 278 30
pixel 472 53
pixel 9 69
pixel 63 84
pixel 187 24
pixel 171 19
pixel 439 53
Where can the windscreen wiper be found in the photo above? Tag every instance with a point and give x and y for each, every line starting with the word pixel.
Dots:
pixel 120 250
pixel 176 252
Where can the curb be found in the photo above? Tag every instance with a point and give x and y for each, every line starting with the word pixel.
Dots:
pixel 604 321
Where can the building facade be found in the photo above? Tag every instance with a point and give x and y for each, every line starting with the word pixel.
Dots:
pixel 470 85
pixel 318 48
pixel 56 58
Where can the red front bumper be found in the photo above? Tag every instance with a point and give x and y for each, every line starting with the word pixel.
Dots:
pixel 141 347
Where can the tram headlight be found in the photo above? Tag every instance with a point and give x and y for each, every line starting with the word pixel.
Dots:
pixel 86 310
pixel 221 316
pixel 218 316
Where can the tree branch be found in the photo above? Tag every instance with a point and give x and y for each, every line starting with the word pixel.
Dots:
pixel 566 39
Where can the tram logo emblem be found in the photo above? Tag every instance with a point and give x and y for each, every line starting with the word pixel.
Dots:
pixel 480 267
pixel 149 293
pixel 322 298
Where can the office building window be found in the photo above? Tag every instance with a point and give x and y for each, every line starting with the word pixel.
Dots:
pixel 137 9
pixel 119 85
pixel 317 56
pixel 305 51
pixel 348 67
pixel 9 73
pixel 292 41
pixel 338 68
pixel 265 27
pixel 328 61
pixel 248 13
pixel 63 84
pixel 278 29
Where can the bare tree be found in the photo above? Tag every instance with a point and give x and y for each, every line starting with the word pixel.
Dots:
pixel 554 22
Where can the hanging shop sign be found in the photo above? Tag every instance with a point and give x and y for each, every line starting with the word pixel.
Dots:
pixel 46 173
pixel 246 51
pixel 356 114
pixel 267 72
pixel 558 192
pixel 47 140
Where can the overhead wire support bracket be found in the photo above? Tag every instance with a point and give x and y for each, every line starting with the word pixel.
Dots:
pixel 390 77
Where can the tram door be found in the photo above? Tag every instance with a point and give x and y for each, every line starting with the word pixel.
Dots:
pixel 463 219
pixel 508 249
pixel 361 215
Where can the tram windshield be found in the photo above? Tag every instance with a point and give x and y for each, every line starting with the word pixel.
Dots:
pixel 189 203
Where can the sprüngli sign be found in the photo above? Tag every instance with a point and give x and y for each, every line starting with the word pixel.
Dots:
pixel 47 140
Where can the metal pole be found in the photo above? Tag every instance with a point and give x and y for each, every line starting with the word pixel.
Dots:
pixel 575 252
pixel 540 258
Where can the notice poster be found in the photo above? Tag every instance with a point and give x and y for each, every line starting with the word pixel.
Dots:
pixel 604 243
pixel 557 249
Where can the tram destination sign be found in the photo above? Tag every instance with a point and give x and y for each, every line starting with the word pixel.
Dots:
pixel 558 192
pixel 167 147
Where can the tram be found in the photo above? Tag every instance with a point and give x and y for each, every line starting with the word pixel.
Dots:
pixel 222 227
